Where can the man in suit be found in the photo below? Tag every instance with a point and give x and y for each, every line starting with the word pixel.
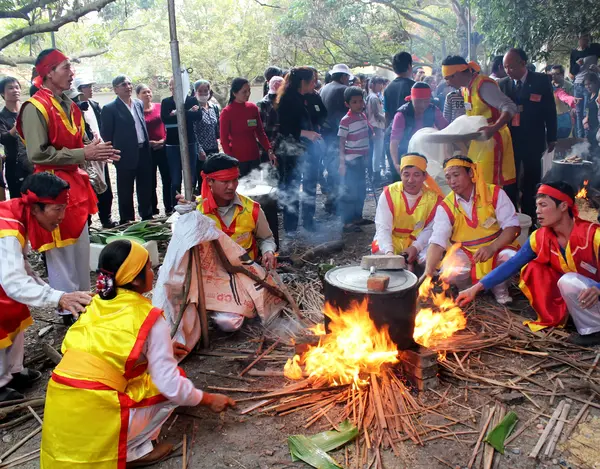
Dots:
pixel 534 127
pixel 91 114
pixel 123 124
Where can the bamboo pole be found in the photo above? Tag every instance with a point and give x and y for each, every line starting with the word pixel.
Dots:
pixel 201 299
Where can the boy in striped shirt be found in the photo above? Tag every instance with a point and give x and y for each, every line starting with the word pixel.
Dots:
pixel 354 150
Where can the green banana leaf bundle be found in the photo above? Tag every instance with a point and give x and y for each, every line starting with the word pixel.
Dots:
pixel 146 230
pixel 313 450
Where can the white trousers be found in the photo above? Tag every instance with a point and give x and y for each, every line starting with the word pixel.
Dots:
pixel 587 321
pixel 69 267
pixel 457 269
pixel 11 359
pixel 144 426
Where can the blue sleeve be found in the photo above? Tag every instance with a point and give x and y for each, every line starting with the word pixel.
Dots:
pixel 509 268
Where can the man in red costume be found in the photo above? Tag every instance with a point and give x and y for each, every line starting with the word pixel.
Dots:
pixel 53 130
pixel 560 267
pixel 41 207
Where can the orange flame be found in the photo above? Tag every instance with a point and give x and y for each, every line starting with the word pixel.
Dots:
pixel 582 194
pixel 433 326
pixel 353 348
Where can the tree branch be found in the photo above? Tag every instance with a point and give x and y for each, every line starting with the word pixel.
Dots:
pixel 14 61
pixel 431 17
pixel 407 16
pixel 267 5
pixel 22 13
pixel 70 17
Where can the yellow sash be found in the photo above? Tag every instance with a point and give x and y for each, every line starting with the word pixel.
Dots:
pixel 83 365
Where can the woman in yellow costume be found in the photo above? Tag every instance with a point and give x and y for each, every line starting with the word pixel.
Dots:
pixel 484 98
pixel 118 381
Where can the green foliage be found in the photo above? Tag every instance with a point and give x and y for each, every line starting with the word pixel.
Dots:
pixel 537 27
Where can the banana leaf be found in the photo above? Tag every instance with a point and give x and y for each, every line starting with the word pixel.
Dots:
pixel 498 435
pixel 324 442
pixel 301 448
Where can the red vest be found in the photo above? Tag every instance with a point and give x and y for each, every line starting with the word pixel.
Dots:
pixel 15 316
pixel 539 278
pixel 63 132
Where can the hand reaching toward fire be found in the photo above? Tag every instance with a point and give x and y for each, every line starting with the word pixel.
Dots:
pixel 468 295
pixel 216 402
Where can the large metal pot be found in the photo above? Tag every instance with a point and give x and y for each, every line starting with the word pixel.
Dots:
pixel 266 196
pixel 395 307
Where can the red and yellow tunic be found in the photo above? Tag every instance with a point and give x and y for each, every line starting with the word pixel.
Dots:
pixel 541 275
pixel 498 163
pixel 478 231
pixel 242 226
pixel 63 132
pixel 15 316
pixel 100 378
pixel 408 223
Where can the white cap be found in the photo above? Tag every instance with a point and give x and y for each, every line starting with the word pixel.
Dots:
pixel 341 68
pixel 83 81
pixel 73 93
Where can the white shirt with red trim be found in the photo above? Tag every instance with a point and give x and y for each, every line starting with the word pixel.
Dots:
pixel 384 225
pixel 506 215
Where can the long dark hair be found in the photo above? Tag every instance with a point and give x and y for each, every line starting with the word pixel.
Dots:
pixel 293 81
pixel 111 259
pixel 236 85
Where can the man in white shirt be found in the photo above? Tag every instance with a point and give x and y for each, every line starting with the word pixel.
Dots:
pixel 41 207
pixel 123 124
pixel 481 224
pixel 404 216
pixel 91 114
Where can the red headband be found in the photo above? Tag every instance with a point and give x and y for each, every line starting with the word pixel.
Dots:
pixel 419 93
pixel 558 195
pixel 208 201
pixel 48 62
pixel 31 198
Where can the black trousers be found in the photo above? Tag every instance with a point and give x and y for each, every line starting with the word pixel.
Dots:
pixel 142 177
pixel 105 200
pixel 159 162
pixel 246 167
pixel 529 175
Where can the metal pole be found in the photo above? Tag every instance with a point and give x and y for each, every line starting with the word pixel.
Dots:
pixel 179 103
pixel 469 26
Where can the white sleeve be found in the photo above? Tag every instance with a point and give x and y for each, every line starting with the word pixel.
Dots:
pixel 18 284
pixel 424 236
pixel 493 96
pixel 442 228
pixel 384 224
pixel 163 370
pixel 505 211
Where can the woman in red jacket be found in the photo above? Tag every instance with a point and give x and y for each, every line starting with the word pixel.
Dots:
pixel 241 127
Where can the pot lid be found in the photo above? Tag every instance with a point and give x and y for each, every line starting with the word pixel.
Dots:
pixel 354 278
pixel 256 190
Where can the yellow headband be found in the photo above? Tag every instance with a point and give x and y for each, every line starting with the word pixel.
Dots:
pixel 449 70
pixel 421 163
pixel 133 264
pixel 480 186
pixel 413 160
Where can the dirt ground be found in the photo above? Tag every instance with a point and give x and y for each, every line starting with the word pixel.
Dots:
pixel 258 440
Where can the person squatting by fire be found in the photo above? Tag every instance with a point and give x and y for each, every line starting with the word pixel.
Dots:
pixel 479 224
pixel 118 381
pixel 560 270
pixel 404 216
pixel 40 209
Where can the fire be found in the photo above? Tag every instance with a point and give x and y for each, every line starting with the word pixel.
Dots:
pixel 433 326
pixel 582 194
pixel 353 348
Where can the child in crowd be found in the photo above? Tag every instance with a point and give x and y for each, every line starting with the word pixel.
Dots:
pixel 354 133
pixel 118 381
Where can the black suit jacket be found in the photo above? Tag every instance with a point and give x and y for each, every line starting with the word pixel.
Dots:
pixel 118 127
pixel 538 114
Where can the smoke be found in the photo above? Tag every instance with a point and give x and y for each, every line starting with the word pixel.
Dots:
pixel 581 150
